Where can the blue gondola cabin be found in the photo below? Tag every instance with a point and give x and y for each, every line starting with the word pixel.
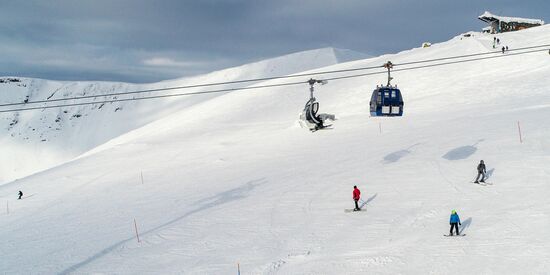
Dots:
pixel 386 101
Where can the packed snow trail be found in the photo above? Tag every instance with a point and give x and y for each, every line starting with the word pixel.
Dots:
pixel 234 179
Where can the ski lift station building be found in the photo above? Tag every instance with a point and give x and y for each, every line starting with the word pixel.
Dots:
pixel 498 24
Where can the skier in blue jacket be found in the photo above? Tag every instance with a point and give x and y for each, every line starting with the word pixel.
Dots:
pixel 454 221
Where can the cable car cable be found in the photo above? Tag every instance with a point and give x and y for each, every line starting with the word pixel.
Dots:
pixel 265 78
pixel 469 55
pixel 433 65
pixel 262 86
pixel 153 97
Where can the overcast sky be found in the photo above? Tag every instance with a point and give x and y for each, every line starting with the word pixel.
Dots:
pixel 145 41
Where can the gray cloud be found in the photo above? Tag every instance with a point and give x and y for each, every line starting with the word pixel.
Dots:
pixel 143 41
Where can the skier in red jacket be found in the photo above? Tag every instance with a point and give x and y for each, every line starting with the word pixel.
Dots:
pixel 356 197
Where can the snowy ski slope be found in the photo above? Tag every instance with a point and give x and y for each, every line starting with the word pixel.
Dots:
pixel 233 179
pixel 34 141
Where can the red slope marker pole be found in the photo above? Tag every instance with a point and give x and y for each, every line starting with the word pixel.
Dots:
pixel 519 131
pixel 137 234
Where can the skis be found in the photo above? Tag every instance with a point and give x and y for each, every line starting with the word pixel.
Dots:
pixel 482 183
pixel 327 127
pixel 348 210
pixel 362 207
pixel 460 235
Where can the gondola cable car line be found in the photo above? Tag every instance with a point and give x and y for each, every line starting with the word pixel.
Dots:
pixel 431 65
pixel 153 97
pixel 249 87
pixel 272 78
pixel 193 86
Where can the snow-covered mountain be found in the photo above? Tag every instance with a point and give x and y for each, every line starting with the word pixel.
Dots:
pixel 232 179
pixel 34 141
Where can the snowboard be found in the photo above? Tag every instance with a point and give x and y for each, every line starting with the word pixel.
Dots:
pixel 460 235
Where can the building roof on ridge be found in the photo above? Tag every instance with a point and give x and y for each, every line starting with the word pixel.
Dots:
pixel 488 17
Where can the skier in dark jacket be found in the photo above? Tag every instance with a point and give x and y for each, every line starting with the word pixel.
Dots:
pixel 481 172
pixel 20 194
pixel 356 197
pixel 454 221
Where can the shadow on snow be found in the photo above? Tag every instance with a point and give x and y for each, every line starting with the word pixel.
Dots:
pixel 396 156
pixel 222 198
pixel 368 200
pixel 465 224
pixel 462 152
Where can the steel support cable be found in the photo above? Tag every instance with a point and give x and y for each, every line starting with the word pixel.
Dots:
pixel 265 78
pixel 268 86
pixel 193 86
pixel 153 97
pixel 470 55
pixel 435 65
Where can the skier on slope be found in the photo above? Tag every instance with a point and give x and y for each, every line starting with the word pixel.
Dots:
pixel 20 194
pixel 356 197
pixel 454 221
pixel 481 172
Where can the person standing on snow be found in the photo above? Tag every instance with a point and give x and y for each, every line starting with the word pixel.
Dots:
pixel 356 197
pixel 20 194
pixel 481 172
pixel 454 221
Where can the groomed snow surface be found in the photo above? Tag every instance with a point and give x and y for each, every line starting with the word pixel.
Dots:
pixel 34 141
pixel 234 179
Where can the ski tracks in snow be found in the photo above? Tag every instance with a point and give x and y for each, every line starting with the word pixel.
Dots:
pixel 308 231
pixel 121 247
